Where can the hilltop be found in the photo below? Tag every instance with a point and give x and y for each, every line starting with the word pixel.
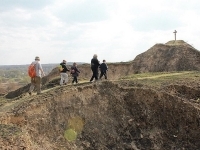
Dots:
pixel 172 56
pixel 141 106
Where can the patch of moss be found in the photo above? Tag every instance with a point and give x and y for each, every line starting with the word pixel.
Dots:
pixel 9 130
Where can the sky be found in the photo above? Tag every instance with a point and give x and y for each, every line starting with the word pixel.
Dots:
pixel 75 30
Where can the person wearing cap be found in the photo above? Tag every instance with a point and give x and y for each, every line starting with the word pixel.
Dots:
pixel 63 73
pixel 94 67
pixel 36 81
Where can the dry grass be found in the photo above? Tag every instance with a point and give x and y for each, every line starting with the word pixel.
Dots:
pixel 158 79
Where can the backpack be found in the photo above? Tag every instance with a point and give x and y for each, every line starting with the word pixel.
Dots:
pixel 60 68
pixel 32 71
pixel 72 71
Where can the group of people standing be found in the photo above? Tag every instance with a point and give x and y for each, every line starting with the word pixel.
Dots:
pixel 74 71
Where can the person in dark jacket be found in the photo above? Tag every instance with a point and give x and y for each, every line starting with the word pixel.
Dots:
pixel 104 68
pixel 94 67
pixel 74 72
pixel 63 73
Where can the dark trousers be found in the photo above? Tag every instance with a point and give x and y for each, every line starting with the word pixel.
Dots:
pixel 94 74
pixel 103 73
pixel 75 79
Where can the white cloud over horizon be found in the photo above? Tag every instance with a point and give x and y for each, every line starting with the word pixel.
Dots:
pixel 75 30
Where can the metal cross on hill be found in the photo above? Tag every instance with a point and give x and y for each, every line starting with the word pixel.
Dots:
pixel 175 34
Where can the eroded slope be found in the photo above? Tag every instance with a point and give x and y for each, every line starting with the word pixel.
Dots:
pixel 105 115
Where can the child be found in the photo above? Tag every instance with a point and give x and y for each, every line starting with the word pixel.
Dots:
pixel 104 68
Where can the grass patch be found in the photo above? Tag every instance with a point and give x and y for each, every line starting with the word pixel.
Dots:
pixel 2 100
pixel 9 130
pixel 158 79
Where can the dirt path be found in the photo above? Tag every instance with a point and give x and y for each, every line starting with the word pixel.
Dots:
pixel 163 75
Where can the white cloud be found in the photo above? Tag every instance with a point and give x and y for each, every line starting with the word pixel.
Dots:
pixel 116 30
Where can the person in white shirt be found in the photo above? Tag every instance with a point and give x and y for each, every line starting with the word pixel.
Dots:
pixel 36 81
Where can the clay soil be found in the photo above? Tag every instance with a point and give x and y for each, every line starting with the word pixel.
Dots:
pixel 152 111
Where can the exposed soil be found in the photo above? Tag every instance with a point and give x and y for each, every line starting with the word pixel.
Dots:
pixel 172 56
pixel 118 114
pixel 105 115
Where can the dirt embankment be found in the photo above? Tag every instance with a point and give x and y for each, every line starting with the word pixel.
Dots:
pixel 178 56
pixel 109 114
pixel 105 115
